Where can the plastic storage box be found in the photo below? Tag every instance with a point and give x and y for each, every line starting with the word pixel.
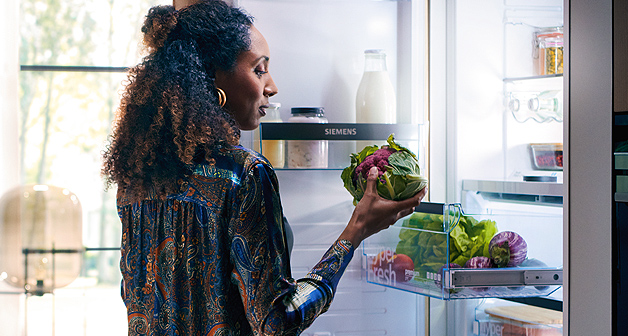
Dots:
pixel 417 254
pixel 500 319
pixel 547 156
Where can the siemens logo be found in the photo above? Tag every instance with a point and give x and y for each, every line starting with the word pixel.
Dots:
pixel 341 131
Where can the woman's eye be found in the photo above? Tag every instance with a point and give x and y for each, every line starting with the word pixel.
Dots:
pixel 259 72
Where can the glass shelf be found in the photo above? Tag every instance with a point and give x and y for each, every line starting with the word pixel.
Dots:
pixel 311 146
pixel 531 78
pixel 337 131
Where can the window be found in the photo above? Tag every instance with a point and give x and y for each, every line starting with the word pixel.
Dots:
pixel 73 56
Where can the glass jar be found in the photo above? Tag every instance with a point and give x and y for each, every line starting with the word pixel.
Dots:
pixel 273 150
pixel 307 153
pixel 548 51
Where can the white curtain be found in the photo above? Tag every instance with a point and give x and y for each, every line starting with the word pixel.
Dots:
pixel 11 305
pixel 9 68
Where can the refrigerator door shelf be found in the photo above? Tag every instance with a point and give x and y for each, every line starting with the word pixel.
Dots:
pixel 621 161
pixel 515 187
pixel 423 253
pixel 621 197
pixel 536 193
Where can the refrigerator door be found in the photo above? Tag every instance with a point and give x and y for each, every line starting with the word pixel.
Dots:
pixel 500 104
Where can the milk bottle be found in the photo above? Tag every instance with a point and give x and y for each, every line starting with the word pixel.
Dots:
pixel 375 100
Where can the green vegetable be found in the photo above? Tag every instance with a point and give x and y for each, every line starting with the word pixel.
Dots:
pixel 399 172
pixel 426 241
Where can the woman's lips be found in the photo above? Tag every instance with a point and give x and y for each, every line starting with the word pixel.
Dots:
pixel 262 110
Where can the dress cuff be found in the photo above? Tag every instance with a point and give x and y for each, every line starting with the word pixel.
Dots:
pixel 333 264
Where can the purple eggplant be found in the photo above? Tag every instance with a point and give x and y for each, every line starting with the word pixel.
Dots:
pixel 508 249
pixel 479 262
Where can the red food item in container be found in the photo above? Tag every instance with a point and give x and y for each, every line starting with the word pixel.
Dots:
pixel 547 156
pixel 399 267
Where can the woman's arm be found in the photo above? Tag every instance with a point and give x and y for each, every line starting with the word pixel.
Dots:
pixel 275 303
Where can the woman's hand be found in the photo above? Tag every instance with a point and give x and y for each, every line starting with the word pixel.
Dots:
pixel 374 213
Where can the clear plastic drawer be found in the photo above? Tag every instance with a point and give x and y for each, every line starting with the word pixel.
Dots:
pixel 426 253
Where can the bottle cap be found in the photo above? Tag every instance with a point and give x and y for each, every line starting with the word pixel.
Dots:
pixel 374 51
pixel 274 105
pixel 308 110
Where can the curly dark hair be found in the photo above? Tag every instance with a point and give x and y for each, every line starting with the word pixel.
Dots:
pixel 169 118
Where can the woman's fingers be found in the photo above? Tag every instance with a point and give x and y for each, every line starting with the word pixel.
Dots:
pixel 371 181
pixel 413 201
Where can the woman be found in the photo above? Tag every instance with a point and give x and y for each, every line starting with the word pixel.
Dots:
pixel 204 244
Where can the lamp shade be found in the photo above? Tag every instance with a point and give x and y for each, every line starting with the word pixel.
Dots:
pixel 40 237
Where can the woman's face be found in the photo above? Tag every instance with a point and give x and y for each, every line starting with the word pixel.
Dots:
pixel 249 85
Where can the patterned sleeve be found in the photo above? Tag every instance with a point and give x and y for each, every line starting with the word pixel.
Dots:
pixel 275 303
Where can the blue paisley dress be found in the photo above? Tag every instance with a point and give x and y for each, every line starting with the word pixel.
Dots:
pixel 214 259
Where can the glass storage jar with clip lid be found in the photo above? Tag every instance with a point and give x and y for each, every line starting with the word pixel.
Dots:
pixel 307 153
pixel 548 51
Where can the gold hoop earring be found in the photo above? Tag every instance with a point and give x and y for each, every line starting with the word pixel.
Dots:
pixel 222 97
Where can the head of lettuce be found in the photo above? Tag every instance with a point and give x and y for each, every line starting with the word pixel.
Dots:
pixel 398 168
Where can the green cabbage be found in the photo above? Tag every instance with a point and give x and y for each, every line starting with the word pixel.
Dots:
pixel 401 179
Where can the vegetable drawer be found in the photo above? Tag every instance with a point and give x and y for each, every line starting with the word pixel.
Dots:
pixel 441 252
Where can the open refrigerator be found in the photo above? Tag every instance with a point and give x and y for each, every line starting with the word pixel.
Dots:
pixel 468 94
pixel 486 121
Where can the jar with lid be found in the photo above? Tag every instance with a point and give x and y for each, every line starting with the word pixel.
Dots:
pixel 307 153
pixel 273 150
pixel 375 99
pixel 548 51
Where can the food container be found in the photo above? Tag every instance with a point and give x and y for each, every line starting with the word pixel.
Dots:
pixel 518 320
pixel 548 51
pixel 273 150
pixel 621 160
pixel 307 153
pixel 547 156
pixel 418 252
pixel 622 184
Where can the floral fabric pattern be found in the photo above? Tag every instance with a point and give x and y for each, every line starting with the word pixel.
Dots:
pixel 214 259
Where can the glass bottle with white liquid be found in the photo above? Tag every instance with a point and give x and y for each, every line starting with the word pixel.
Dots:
pixel 375 100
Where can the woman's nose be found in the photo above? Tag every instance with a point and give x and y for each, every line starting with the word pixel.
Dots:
pixel 270 89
